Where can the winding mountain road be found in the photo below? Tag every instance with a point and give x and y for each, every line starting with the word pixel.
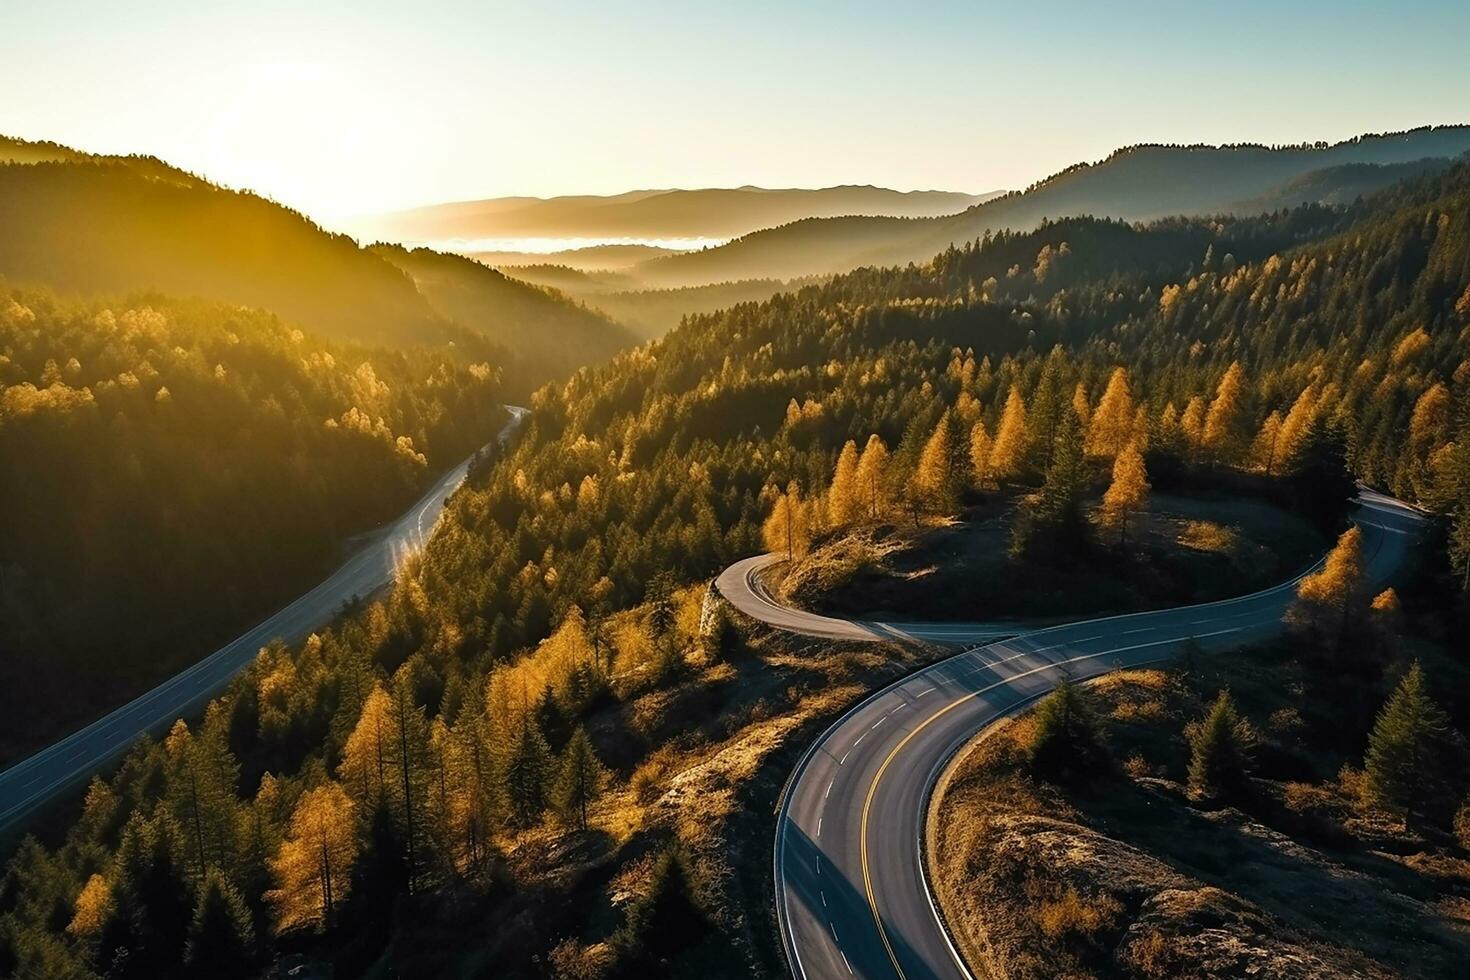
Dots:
pixel 741 586
pixel 851 893
pixel 32 782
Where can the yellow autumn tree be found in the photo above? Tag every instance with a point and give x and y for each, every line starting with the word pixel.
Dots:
pixel 1112 423
pixel 94 906
pixel 1296 425
pixel 1334 594
pixel 1265 451
pixel 785 531
pixel 933 483
pixel 367 755
pixel 1128 492
pixel 1008 452
pixel 872 479
pixel 1081 405
pixel 979 454
pixel 313 868
pixel 1431 418
pixel 844 501
pixel 1221 436
pixel 1192 424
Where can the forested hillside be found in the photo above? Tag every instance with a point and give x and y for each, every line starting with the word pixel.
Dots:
pixel 175 468
pixel 550 335
pixel 1135 183
pixel 88 225
pixel 416 749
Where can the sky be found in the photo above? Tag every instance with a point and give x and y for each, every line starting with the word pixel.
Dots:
pixel 345 107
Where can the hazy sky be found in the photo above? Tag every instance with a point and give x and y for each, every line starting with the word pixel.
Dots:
pixel 343 106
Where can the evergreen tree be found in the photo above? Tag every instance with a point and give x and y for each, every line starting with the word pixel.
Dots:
pixel 153 899
pixel 551 720
pixel 1320 483
pixel 527 776
pixel 1055 522
pixel 666 919
pixel 1219 751
pixel 581 779
pixel 221 938
pixel 1067 741
pixel 1401 770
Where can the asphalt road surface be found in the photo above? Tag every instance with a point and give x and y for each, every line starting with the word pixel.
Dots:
pixel 32 782
pixel 851 894
pixel 741 586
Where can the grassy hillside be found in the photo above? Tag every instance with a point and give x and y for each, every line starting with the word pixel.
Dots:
pixel 1135 184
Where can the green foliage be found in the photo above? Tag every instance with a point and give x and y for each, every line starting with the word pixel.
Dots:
pixel 1220 751
pixel 1054 524
pixel 221 938
pixel 1403 768
pixel 1067 743
pixel 580 781
pixel 528 773
pixel 666 919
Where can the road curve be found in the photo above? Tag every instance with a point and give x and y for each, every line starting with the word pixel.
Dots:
pixel 851 894
pixel 741 586
pixel 33 781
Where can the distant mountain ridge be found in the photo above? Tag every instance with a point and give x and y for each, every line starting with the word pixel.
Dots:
pixel 1137 183
pixel 86 224
pixel 654 214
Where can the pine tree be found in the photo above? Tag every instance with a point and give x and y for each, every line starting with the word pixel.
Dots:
pixel 1401 768
pixel 527 775
pixel 872 479
pixel 979 455
pixel 1221 436
pixel 1128 492
pixel 1067 740
pixel 1008 454
pixel 221 937
pixel 581 779
pixel 844 503
pixel 152 897
pixel 1112 423
pixel 1219 751
pixel 313 867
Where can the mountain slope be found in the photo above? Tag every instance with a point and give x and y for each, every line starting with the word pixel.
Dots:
pixel 1136 184
pixel 708 213
pixel 550 336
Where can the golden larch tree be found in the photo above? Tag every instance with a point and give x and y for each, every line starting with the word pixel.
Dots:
pixel 844 501
pixel 1335 593
pixel 872 479
pixel 786 531
pixel 1112 423
pixel 1192 424
pixel 313 867
pixel 979 454
pixel 1009 449
pixel 1081 405
pixel 1128 493
pixel 1296 425
pixel 933 482
pixel 1227 413
pixel 1431 419
pixel 367 755
pixel 1265 451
